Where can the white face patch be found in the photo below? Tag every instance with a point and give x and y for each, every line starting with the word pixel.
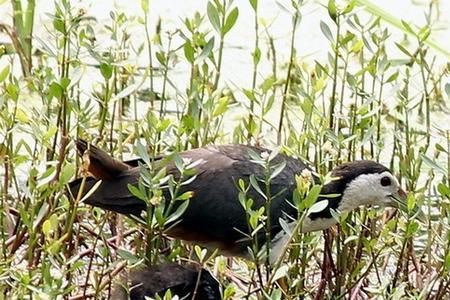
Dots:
pixel 369 189
pixel 366 189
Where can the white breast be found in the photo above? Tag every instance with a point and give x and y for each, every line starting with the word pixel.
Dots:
pixel 282 238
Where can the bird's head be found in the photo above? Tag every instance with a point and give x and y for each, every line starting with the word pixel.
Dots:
pixel 365 183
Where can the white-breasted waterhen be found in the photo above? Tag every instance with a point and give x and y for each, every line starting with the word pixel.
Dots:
pixel 187 282
pixel 215 217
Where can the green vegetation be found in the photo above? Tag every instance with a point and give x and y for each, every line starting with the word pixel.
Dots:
pixel 364 100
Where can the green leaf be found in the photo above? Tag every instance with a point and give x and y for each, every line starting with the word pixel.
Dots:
pixel 67 173
pixel 277 294
pixel 4 73
pixel 399 62
pixel 254 4
pixel 144 5
pixel 59 25
pixel 349 7
pixel 285 226
pixel 393 77
pixel 106 70
pixel 142 152
pixel 273 154
pixel 54 221
pixel 55 246
pixel 403 49
pixel 55 90
pixel 200 252
pixel 255 185
pixel 46 227
pixel 255 157
pixel 350 238
pixel 440 148
pixel 318 206
pixel 281 272
pixel 312 196
pixel 268 84
pixel 447 262
pixel 91 191
pixel 177 214
pixel 241 184
pixel 351 80
pixel 221 107
pixel 230 291
pixel 408 27
pixel 41 214
pixel 411 202
pixel 132 88
pixel 256 56
pixel 249 94
pixel 186 195
pixel 424 33
pixel 377 11
pixel 326 31
pixel 332 10
pixel 127 255
pixel 269 104
pixel 278 169
pixel 65 82
pixel 206 51
pixel 161 58
pixel 178 161
pixel 213 16
pixel 76 265
pixel 256 220
pixel 47 176
pixel 136 192
pixel 189 51
pixel 444 190
pixel 23 117
pixel 230 20
pixel 163 125
pixel 368 134
pixel 49 225
pixel 412 228
pixel 432 164
pixel 447 89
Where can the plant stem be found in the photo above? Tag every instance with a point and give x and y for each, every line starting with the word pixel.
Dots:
pixel 288 76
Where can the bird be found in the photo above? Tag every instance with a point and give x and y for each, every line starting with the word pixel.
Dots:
pixel 185 281
pixel 215 217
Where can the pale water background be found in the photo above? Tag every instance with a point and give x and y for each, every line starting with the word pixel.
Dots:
pixel 237 65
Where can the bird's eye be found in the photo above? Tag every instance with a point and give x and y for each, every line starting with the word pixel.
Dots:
pixel 385 181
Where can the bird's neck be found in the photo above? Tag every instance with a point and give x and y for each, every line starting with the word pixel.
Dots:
pixel 343 197
pixel 338 201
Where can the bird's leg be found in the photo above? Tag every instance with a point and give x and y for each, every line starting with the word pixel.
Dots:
pixel 328 265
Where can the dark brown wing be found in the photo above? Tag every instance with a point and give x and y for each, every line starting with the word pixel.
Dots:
pixel 215 217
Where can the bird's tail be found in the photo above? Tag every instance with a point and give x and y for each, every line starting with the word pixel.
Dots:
pixel 112 192
pixel 100 164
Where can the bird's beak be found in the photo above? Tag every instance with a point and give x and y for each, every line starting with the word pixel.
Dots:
pixel 398 199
